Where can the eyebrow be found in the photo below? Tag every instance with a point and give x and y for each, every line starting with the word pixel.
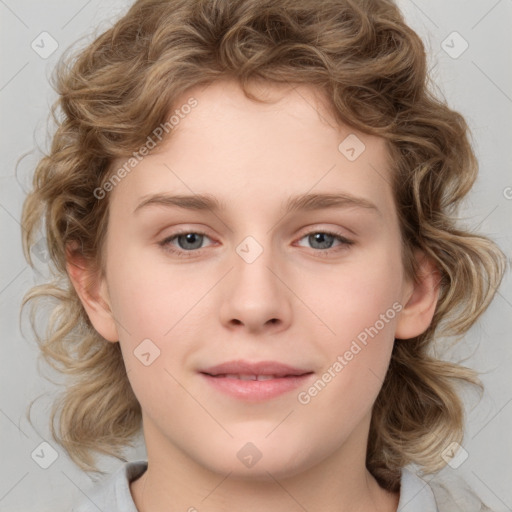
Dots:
pixel 303 202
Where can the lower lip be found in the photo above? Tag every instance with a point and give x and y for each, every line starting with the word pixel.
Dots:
pixel 256 390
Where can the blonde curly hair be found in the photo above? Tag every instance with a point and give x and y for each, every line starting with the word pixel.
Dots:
pixel 371 67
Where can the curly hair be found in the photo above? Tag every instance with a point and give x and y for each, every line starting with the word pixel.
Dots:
pixel 371 68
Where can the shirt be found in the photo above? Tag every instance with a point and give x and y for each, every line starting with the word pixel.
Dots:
pixel 114 494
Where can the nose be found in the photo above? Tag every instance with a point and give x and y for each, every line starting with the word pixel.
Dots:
pixel 255 295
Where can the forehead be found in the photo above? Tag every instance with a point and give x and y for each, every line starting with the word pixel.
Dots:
pixel 293 112
pixel 231 146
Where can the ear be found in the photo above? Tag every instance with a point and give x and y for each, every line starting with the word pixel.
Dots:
pixel 420 299
pixel 91 288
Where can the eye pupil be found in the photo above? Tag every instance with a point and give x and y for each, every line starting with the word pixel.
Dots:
pixel 190 238
pixel 324 239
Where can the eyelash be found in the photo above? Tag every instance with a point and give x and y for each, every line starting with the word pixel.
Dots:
pixel 166 243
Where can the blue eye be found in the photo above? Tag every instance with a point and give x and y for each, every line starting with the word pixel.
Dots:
pixel 324 241
pixel 189 243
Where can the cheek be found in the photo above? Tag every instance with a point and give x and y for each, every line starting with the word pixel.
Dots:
pixel 358 295
pixel 149 298
pixel 347 387
pixel 361 310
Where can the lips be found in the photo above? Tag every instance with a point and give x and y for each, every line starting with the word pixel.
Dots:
pixel 245 370
pixel 255 382
pixel 249 377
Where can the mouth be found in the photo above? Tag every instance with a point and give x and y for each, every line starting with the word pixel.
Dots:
pixel 253 377
pixel 248 370
pixel 255 381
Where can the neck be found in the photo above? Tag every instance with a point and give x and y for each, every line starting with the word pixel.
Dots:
pixel 338 483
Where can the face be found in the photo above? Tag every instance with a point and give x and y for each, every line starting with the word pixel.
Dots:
pixel 318 286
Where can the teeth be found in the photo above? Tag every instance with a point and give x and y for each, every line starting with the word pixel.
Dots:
pixel 248 377
pixel 244 377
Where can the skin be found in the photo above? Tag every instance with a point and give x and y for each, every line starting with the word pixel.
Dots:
pixel 294 304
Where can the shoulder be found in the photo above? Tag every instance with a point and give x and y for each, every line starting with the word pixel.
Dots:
pixel 415 494
pixel 443 492
pixel 114 493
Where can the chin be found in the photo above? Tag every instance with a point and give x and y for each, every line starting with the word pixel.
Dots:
pixel 260 461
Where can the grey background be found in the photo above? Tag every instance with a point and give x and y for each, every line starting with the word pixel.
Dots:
pixel 478 83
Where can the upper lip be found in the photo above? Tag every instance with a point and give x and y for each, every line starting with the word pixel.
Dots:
pixel 241 367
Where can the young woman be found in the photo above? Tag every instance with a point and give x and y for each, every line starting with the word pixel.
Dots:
pixel 250 208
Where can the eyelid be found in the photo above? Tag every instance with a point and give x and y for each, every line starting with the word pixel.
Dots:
pixel 335 230
pixel 166 241
pixel 344 241
pixel 343 245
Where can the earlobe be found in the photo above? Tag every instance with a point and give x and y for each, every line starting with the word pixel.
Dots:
pixel 421 301
pixel 92 291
